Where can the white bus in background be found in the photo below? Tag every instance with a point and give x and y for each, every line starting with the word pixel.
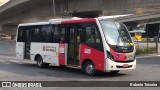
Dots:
pixel 91 44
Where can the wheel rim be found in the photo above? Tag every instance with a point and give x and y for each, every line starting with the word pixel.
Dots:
pixel 89 69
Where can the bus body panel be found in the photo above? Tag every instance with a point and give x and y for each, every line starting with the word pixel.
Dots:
pixel 20 50
pixel 114 66
pixel 48 51
pixel 119 61
pixel 122 61
pixel 105 45
pixel 63 54
pixel 89 53
pixel 122 57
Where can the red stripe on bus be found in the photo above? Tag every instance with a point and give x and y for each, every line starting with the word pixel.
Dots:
pixel 79 21
pixel 118 56
pixel 61 54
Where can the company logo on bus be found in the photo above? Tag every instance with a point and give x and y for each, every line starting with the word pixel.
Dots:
pixel 49 48
pixel 117 56
pixel 124 48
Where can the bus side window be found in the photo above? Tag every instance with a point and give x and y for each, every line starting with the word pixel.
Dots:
pixel 89 33
pixel 46 33
pixel 62 33
pixel 79 29
pixel 56 38
pixel 81 34
pixel 21 34
pixel 36 34
pixel 92 35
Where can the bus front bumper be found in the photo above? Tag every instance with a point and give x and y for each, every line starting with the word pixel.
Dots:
pixel 116 66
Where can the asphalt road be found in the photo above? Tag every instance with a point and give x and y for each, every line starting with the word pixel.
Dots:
pixel 7 48
pixel 12 69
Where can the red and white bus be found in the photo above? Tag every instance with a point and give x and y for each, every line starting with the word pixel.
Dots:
pixel 91 44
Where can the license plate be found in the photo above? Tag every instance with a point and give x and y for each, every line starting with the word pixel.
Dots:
pixel 129 57
pixel 125 65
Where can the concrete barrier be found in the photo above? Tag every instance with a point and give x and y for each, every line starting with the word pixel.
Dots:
pixel 8 48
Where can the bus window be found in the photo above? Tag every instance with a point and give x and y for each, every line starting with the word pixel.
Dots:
pixel 62 34
pixel 46 33
pixel 92 35
pixel 56 35
pixel 36 34
pixel 89 33
pixel 21 34
pixel 79 37
pixel 82 35
pixel 90 38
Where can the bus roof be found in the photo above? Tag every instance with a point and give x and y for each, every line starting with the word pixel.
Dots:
pixel 61 21
pixel 71 20
pixel 79 20
pixel 32 24
pixel 113 17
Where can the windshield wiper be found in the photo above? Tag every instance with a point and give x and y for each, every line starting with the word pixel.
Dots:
pixel 127 41
pixel 124 40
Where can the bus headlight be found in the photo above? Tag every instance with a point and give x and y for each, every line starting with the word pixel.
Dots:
pixel 109 55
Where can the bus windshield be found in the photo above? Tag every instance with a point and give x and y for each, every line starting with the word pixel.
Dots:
pixel 116 33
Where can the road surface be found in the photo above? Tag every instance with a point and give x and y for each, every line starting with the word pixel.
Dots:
pixel 12 69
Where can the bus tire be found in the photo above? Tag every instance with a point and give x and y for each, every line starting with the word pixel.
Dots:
pixel 40 63
pixel 89 68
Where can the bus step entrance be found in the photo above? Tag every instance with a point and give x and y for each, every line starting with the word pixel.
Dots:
pixel 73 66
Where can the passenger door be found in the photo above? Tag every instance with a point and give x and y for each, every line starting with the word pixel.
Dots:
pixel 73 46
pixel 27 43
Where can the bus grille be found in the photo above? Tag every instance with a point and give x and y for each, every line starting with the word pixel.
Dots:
pixel 124 67
pixel 125 61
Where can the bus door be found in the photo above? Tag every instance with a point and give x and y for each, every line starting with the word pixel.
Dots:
pixel 73 46
pixel 27 44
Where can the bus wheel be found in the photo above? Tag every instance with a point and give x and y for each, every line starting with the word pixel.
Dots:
pixel 89 68
pixel 40 63
pixel 114 72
